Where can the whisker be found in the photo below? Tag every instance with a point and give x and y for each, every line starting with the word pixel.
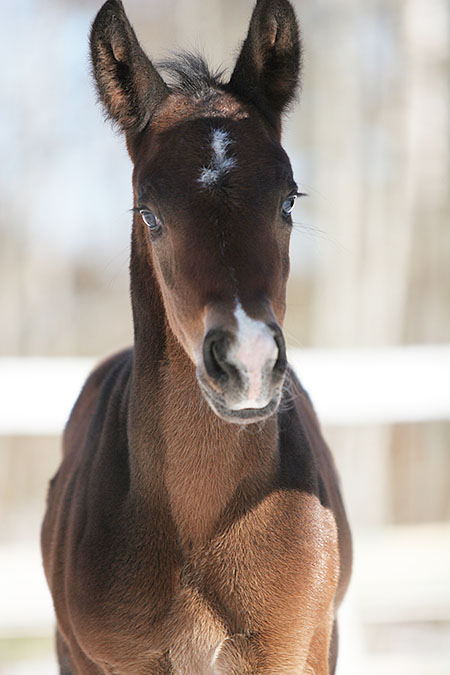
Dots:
pixel 291 338
pixel 314 231
pixel 289 397
pixel 117 263
pixel 251 429
pixel 312 192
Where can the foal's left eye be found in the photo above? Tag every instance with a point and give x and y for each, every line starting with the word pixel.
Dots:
pixel 288 206
pixel 152 221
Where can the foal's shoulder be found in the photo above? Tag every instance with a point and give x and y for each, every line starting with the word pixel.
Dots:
pixel 107 367
pixel 305 453
pixel 297 405
pixel 100 384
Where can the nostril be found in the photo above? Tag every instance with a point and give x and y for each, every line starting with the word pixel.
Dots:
pixel 281 362
pixel 214 355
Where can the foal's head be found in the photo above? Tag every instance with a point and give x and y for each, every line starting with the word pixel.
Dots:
pixel 213 193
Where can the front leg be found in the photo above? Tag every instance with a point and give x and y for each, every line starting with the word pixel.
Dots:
pixel 255 655
pixel 272 655
pixel 72 660
pixel 236 654
pixel 321 660
pixel 63 653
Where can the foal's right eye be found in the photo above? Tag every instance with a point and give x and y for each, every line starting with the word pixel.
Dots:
pixel 153 223
pixel 288 205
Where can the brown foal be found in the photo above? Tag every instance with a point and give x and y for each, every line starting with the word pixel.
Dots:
pixel 195 524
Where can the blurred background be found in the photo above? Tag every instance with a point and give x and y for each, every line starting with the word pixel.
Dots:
pixel 369 288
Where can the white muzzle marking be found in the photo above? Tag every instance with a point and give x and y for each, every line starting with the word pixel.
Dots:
pixel 255 353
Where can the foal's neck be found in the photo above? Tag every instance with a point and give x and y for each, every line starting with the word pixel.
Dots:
pixel 202 466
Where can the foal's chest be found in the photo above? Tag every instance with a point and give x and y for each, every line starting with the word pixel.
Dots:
pixel 256 576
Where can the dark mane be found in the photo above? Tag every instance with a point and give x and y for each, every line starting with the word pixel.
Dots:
pixel 188 73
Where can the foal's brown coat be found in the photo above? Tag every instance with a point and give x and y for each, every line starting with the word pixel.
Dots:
pixel 174 540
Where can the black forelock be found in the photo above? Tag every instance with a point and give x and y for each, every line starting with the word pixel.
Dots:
pixel 188 73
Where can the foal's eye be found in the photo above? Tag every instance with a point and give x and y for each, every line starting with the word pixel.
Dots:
pixel 153 223
pixel 288 206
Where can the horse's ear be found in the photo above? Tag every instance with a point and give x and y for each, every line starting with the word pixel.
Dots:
pixel 129 86
pixel 268 68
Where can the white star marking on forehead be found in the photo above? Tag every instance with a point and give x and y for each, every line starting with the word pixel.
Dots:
pixel 220 161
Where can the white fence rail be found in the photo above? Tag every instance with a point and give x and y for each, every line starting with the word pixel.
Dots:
pixel 348 387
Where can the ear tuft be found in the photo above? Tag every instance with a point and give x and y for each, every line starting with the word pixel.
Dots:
pixel 128 85
pixel 267 71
